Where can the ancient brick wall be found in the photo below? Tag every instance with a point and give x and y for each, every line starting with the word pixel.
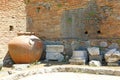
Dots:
pixel 12 21
pixel 45 18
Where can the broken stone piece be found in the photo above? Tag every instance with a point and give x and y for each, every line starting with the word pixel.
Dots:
pixel 95 63
pixel 54 48
pixel 112 55
pixel 113 46
pixel 54 56
pixel 93 51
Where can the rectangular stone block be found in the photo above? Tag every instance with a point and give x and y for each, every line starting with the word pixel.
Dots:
pixel 54 56
pixel 98 58
pixel 54 48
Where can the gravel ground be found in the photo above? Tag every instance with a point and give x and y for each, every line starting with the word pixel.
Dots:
pixel 70 76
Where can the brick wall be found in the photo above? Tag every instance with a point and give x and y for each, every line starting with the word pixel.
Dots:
pixel 12 21
pixel 44 17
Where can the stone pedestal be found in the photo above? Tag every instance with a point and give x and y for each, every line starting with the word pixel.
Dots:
pixel 79 57
pixel 53 52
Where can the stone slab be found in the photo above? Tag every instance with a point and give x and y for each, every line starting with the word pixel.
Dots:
pixel 54 56
pixel 54 48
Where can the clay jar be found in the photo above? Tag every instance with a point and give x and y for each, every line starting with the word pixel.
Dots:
pixel 25 49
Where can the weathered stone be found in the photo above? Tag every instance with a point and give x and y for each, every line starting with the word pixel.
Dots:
pixel 75 45
pixel 113 45
pixel 103 44
pixel 54 48
pixel 79 57
pixel 77 61
pixel 54 56
pixel 21 66
pixel 112 56
pixel 93 51
pixel 95 63
pixel 1 64
pixel 7 61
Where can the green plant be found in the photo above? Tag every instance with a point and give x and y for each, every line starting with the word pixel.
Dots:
pixel 59 5
pixel 92 13
pixel 69 20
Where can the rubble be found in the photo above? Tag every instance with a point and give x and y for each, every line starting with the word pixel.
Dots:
pixel 112 56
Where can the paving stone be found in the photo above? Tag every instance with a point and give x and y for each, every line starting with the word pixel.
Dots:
pixel 21 66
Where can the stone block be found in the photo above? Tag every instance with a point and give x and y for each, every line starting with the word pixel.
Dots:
pixel 98 58
pixel 54 48
pixel 54 56
pixel 79 55
pixel 93 51
pixel 112 56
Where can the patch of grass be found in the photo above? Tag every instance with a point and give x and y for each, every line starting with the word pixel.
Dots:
pixel 69 20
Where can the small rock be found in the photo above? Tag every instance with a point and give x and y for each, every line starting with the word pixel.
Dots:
pixel 94 63
pixel 112 56
pixel 103 44
pixel 113 46
pixel 93 51
pixel 7 61
pixel 1 64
